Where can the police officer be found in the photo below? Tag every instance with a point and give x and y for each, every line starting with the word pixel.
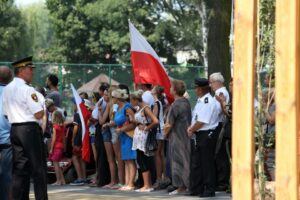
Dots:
pixel 24 109
pixel 202 132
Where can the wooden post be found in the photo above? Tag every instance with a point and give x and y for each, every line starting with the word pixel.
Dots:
pixel 243 99
pixel 287 98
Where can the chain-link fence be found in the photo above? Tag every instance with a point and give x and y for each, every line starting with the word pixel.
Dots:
pixel 87 77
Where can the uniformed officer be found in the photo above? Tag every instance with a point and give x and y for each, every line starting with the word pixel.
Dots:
pixel 202 132
pixel 23 109
pixel 216 82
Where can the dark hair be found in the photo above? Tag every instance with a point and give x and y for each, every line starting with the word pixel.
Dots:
pixel 103 87
pixel 206 89
pixel 17 70
pixel 84 94
pixel 41 90
pixel 125 87
pixel 53 79
pixel 96 96
pixel 148 86
pixel 159 90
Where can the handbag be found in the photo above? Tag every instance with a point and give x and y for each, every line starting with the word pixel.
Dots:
pixel 130 133
pixel 151 142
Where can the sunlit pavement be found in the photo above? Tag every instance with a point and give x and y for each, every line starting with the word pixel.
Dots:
pixel 86 193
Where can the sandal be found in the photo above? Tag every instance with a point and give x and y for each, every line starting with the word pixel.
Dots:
pixel 128 188
pixel 117 186
pixel 54 184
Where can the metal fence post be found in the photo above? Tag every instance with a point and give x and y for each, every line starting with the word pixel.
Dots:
pixel 60 78
pixel 109 73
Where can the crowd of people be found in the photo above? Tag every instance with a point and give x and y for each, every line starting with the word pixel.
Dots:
pixel 141 141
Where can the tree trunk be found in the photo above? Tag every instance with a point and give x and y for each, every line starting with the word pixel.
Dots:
pixel 218 50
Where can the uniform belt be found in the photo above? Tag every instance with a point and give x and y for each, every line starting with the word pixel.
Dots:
pixel 203 132
pixel 4 146
pixel 24 123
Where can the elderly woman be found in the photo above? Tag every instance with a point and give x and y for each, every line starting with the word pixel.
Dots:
pixel 178 121
pixel 124 120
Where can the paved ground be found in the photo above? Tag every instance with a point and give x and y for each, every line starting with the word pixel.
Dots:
pixel 87 193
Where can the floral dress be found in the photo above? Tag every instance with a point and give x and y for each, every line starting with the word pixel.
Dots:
pixel 140 136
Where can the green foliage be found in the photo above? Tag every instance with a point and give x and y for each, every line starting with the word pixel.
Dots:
pixel 86 31
pixel 12 30
pixel 267 33
pixel 39 34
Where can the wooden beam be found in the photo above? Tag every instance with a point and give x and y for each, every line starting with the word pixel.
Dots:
pixel 287 98
pixel 243 99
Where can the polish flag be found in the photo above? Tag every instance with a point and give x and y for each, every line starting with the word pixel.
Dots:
pixel 85 115
pixel 146 65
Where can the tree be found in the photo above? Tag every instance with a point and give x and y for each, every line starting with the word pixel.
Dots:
pixel 87 31
pixel 12 30
pixel 219 20
pixel 39 34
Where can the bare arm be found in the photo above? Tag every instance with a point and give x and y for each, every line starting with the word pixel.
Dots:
pixel 153 118
pixel 75 130
pixel 53 140
pixel 39 115
pixel 103 118
pixel 194 128
pixel 270 118
pixel 130 125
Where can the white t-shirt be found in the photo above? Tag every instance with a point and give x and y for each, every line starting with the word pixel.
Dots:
pixel 148 98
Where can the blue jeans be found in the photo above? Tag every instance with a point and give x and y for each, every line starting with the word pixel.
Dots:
pixel 5 172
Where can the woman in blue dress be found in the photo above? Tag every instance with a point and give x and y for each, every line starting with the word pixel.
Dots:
pixel 123 119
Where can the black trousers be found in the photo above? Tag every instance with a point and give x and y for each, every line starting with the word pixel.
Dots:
pixel 222 164
pixel 29 160
pixel 203 171
pixel 103 173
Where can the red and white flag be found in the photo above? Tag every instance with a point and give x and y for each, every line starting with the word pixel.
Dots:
pixel 84 115
pixel 146 65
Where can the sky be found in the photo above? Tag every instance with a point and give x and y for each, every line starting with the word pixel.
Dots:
pixel 27 2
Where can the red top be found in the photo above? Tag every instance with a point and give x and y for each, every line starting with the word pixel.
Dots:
pixel 59 142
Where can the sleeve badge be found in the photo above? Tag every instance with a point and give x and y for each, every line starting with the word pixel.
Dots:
pixel 34 97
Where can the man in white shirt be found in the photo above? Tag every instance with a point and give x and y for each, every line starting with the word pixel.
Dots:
pixel 24 109
pixel 216 82
pixel 202 132
pixel 147 95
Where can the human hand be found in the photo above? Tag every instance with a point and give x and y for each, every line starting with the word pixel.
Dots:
pixel 142 127
pixel 190 131
pixel 118 130
pixel 220 98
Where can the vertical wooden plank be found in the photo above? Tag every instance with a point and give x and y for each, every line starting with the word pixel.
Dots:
pixel 243 99
pixel 287 98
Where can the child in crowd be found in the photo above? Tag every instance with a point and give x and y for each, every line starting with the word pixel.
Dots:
pixel 57 146
pixel 79 164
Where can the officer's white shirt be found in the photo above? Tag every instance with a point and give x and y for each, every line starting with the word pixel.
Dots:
pixel 206 112
pixel 148 98
pixel 21 102
pixel 221 114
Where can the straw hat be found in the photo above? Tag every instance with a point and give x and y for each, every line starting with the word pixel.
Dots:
pixel 120 94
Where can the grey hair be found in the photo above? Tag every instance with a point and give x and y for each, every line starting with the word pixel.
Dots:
pixel 217 77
